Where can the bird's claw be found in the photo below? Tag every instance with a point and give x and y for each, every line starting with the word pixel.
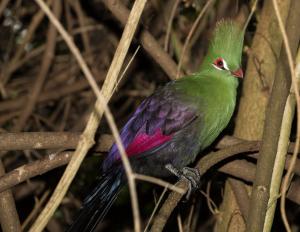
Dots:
pixel 192 175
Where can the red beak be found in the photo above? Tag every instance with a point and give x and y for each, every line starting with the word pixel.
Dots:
pixel 238 73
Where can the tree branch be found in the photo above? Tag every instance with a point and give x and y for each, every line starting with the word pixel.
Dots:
pixel 147 40
pixel 8 214
pixel 48 140
pixel 49 94
pixel 274 114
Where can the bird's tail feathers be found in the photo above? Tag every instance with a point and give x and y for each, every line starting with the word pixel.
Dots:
pixel 97 204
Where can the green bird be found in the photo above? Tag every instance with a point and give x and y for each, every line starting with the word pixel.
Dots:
pixel 174 124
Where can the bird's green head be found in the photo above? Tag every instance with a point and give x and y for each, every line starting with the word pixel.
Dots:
pixel 225 50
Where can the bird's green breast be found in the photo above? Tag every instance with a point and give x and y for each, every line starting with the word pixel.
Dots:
pixel 214 98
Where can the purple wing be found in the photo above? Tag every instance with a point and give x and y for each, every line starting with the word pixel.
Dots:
pixel 153 124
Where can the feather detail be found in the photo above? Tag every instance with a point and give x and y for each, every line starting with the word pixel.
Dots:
pixel 156 120
pixel 97 204
pixel 144 142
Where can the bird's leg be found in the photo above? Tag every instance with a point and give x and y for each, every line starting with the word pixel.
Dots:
pixel 192 175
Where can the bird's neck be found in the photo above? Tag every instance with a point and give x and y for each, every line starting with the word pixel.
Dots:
pixel 218 99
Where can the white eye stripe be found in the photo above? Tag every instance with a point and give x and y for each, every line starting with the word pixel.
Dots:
pixel 216 67
pixel 225 65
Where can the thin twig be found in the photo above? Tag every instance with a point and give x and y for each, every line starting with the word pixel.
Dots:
pixel 210 203
pixel 155 209
pixel 50 94
pixel 34 92
pixel 148 42
pixel 179 223
pixel 37 206
pixel 159 182
pixel 82 23
pixel 34 24
pixel 191 32
pixel 169 27
pixel 187 226
pixel 36 51
pixel 253 8
pixel 127 67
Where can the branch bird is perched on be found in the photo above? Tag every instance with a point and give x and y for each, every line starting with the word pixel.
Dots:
pixel 173 125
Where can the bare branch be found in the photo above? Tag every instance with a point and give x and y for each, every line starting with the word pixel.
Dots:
pixel 274 113
pixel 48 140
pixel 41 77
pixel 8 214
pixel 147 40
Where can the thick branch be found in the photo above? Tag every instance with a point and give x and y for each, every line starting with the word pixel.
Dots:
pixel 275 109
pixel 245 170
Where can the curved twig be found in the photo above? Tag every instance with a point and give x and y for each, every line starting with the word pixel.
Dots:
pixel 101 106
pixel 295 87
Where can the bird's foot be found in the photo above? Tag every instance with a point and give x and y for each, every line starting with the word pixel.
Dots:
pixel 192 175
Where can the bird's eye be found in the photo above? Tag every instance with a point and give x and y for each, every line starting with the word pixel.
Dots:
pixel 220 64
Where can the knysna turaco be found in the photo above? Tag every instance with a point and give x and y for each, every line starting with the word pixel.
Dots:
pixel 173 125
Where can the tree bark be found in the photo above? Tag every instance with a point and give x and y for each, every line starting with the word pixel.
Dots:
pixel 257 85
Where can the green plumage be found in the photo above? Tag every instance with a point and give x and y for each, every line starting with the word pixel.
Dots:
pixel 227 42
pixel 213 91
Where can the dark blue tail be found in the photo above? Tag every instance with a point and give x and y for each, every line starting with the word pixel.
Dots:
pixel 96 205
